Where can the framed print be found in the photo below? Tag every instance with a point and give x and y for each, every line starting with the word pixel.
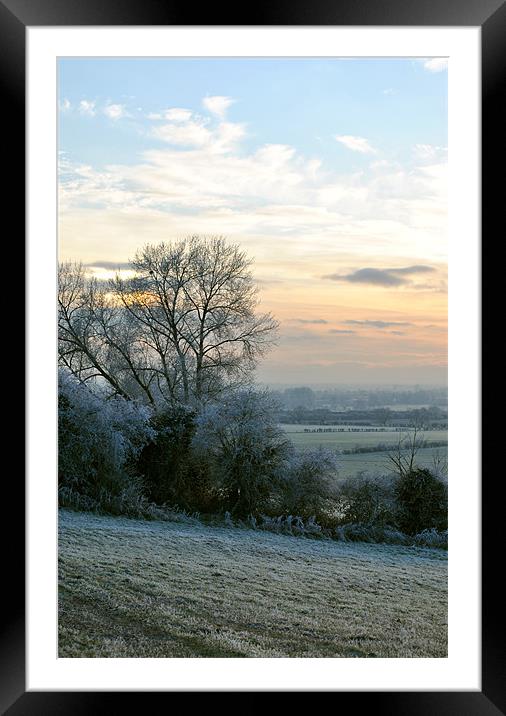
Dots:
pixel 294 165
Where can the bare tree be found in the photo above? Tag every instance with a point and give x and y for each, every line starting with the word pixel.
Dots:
pixel 80 347
pixel 197 298
pixel 404 454
pixel 182 329
pixel 439 465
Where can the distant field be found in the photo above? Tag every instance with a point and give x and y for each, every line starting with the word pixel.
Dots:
pixel 374 461
pixel 356 438
pixel 409 406
pixel 378 461
pixel 129 588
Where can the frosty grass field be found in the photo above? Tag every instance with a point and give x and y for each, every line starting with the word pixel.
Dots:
pixel 131 588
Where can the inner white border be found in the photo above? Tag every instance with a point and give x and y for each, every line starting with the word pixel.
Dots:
pixel 461 670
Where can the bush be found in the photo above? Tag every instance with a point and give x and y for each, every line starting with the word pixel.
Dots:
pixel 432 538
pixel 98 443
pixel 246 449
pixel 370 533
pixel 308 485
pixel 164 460
pixel 422 502
pixel 368 500
pixel 289 525
pixel 124 497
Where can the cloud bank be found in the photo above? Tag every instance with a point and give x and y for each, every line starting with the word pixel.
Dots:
pixel 389 277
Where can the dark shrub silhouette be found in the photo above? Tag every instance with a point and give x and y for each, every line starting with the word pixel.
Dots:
pixel 422 501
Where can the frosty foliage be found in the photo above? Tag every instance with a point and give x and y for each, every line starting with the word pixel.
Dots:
pixel 368 499
pixel 98 439
pixel 370 533
pixel 247 448
pixel 390 535
pixel 230 458
pixel 422 500
pixel 292 525
pixel 432 538
pixel 308 487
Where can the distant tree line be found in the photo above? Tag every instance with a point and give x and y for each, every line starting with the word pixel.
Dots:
pixel 427 418
pixel 347 398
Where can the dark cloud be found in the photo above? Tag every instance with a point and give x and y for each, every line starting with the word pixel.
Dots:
pixel 341 330
pixel 374 277
pixel 389 277
pixel 300 337
pixel 377 324
pixel 398 333
pixel 313 321
pixel 417 268
pixel 110 265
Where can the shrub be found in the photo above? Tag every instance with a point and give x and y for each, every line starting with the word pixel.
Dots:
pixel 432 538
pixel 164 460
pixel 368 500
pixel 422 502
pixel 308 486
pixel 98 442
pixel 290 525
pixel 370 533
pixel 245 447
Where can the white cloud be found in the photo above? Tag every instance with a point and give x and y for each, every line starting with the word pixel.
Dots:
pixel 218 105
pixel 380 164
pixel 188 134
pixel 202 179
pixel 177 114
pixel 115 111
pixel 87 107
pixel 226 137
pixel 342 193
pixel 65 105
pixel 275 155
pixel 356 144
pixel 436 64
pixel 174 114
pixel 185 131
pixel 430 152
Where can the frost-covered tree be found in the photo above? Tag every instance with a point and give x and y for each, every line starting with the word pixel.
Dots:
pixel 98 341
pixel 182 330
pixel 247 447
pixel 197 299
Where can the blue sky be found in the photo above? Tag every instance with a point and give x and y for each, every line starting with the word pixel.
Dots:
pixel 331 174
pixel 395 103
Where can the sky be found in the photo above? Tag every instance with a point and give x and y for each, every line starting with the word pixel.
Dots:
pixel 330 173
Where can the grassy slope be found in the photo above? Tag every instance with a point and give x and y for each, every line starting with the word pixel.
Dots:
pixel 156 589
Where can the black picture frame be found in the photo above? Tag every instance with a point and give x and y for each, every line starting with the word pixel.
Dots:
pixel 490 15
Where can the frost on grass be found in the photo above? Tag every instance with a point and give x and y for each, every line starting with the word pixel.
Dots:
pixel 131 588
